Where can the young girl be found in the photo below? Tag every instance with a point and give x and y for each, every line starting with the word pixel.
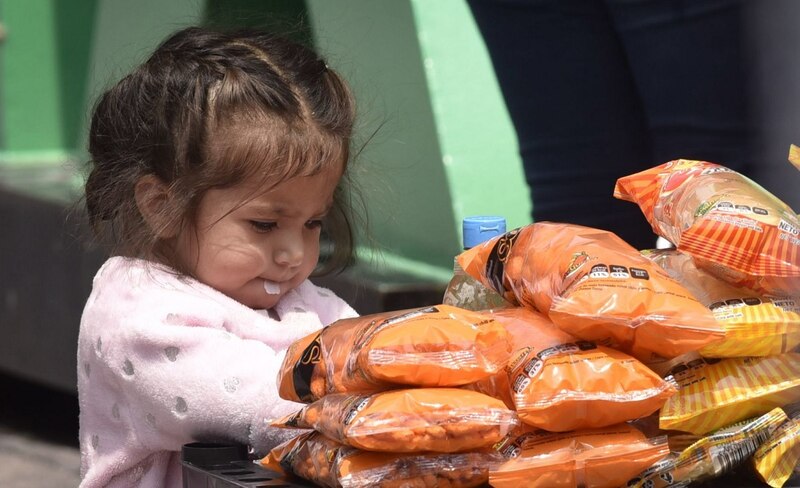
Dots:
pixel 215 165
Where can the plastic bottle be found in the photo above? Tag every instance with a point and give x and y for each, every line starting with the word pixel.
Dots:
pixel 464 291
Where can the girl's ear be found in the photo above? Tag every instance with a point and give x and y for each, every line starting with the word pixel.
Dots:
pixel 153 199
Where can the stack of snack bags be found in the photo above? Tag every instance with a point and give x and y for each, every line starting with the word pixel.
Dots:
pixel 720 315
pixel 384 400
pixel 738 252
pixel 700 340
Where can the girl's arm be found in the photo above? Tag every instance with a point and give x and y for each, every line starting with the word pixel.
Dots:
pixel 177 367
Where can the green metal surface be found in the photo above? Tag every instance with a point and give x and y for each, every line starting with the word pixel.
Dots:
pixel 479 145
pixel 32 112
pixel 438 143
pixel 444 147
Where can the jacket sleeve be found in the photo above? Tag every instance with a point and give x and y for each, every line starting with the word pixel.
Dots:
pixel 178 377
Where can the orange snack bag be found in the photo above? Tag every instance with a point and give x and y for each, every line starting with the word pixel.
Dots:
pixel 755 324
pixel 734 228
pixel 596 458
pixel 410 420
pixel 432 346
pixel 596 287
pixel 558 383
pixel 314 457
pixel 718 392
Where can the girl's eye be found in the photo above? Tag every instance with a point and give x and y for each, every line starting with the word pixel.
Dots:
pixel 314 224
pixel 261 226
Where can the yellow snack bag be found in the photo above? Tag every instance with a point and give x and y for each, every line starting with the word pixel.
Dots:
pixel 409 420
pixel 734 228
pixel 559 383
pixel 596 287
pixel 755 324
pixel 714 393
pixel 594 458
pixel 314 457
pixel 713 455
pixel 435 346
pixel 777 458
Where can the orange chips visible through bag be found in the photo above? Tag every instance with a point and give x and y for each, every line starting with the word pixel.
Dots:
pixel 595 287
pixel 433 346
pixel 409 420
pixel 716 393
pixel 558 383
pixel 733 227
pixel 598 458
pixel 755 324
pixel 328 463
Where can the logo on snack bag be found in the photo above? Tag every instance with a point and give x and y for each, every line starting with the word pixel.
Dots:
pixel 785 226
pixel 357 405
pixel 578 260
pixel 495 264
pixel 303 369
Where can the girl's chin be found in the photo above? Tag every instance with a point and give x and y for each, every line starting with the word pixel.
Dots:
pixel 265 303
pixel 258 300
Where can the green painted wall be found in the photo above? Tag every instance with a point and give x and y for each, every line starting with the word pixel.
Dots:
pixel 439 145
pixel 443 145
pixel 30 96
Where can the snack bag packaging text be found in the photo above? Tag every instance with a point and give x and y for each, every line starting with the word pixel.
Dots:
pixel 734 228
pixel 596 287
pixel 755 324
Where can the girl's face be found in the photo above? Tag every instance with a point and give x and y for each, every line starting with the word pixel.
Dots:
pixel 257 251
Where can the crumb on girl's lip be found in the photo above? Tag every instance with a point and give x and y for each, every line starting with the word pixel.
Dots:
pixel 271 287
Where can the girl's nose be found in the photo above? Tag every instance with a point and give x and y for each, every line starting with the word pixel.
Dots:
pixel 289 253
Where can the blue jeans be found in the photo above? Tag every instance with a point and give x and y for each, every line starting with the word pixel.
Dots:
pixel 599 89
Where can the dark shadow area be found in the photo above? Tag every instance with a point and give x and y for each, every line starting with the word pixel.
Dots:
pixel 38 411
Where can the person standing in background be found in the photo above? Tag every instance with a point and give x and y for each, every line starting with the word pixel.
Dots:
pixel 599 89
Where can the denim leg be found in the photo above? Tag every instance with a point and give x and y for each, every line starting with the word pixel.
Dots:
pixel 576 109
pixel 687 61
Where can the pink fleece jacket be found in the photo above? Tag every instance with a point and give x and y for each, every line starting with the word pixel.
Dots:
pixel 163 361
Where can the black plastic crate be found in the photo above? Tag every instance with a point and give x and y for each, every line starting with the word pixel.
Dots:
pixel 227 466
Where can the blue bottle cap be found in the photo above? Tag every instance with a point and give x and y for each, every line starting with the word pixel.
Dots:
pixel 481 228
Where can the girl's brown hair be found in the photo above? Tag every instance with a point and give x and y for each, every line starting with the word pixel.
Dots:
pixel 210 109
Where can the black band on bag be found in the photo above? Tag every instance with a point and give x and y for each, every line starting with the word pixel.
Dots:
pixel 495 264
pixel 304 369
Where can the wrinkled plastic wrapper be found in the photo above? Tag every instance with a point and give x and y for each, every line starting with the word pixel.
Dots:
pixel 437 346
pixel 596 287
pixel 755 324
pixel 718 392
pixel 713 455
pixel 466 292
pixel 733 227
pixel 596 458
pixel 559 383
pixel 323 461
pixel 409 420
pixel 776 459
